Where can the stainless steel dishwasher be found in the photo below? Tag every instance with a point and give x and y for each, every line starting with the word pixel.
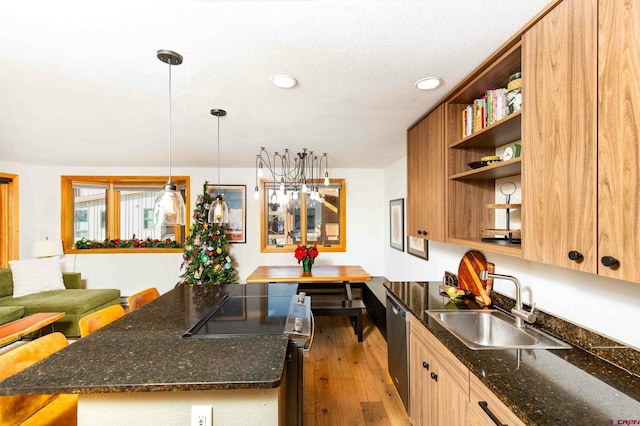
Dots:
pixel 397 344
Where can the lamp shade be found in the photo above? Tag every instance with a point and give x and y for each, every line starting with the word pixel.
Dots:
pixel 169 208
pixel 47 248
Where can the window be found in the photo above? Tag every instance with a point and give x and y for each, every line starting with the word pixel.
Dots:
pixel 116 207
pixel 148 219
pixel 287 221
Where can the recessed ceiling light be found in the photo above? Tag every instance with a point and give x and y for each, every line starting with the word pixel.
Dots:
pixel 284 81
pixel 428 83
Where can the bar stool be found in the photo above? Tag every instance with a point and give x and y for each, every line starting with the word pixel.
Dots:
pixel 95 321
pixel 141 298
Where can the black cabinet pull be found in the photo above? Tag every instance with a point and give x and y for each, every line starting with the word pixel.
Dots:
pixel 425 364
pixel 485 408
pixel 610 262
pixel 434 376
pixel 576 256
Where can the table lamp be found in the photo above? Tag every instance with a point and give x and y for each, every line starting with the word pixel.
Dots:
pixel 47 248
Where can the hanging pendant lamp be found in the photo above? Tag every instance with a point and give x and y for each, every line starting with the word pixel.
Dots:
pixel 219 211
pixel 169 208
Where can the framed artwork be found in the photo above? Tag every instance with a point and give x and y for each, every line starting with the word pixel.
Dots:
pixel 418 247
pixel 236 199
pixel 396 215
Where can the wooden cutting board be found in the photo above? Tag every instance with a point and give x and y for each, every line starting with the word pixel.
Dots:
pixel 471 264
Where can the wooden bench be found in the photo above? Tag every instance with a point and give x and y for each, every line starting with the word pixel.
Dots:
pixel 350 308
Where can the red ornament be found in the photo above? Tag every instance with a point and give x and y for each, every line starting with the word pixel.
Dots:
pixel 216 237
pixel 210 254
pixel 143 244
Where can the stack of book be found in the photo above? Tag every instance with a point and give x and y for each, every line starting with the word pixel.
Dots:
pixel 484 111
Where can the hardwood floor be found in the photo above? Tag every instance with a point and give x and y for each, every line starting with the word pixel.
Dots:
pixel 346 382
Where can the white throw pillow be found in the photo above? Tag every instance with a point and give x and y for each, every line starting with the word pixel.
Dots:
pixel 36 275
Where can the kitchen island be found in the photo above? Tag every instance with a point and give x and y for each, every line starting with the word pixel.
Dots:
pixel 141 369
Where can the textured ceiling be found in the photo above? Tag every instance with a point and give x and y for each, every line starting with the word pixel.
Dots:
pixel 81 84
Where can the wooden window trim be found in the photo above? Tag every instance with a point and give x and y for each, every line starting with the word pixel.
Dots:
pixel 9 220
pixel 113 207
pixel 289 248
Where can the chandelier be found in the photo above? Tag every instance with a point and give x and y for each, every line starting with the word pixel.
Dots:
pixel 293 174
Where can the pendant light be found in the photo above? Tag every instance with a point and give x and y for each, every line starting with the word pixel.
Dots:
pixel 219 211
pixel 169 208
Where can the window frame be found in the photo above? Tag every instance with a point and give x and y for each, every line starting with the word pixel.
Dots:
pixel 288 248
pixel 67 213
pixel 10 220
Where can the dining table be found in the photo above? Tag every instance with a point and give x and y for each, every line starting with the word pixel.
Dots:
pixel 319 274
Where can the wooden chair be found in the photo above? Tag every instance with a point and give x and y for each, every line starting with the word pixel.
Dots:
pixel 141 298
pixel 95 321
pixel 60 409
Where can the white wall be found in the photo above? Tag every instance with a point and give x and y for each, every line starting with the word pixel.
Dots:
pixel 607 306
pixel 40 218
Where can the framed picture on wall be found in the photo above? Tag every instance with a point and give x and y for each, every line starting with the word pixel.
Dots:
pixel 236 199
pixel 396 215
pixel 418 247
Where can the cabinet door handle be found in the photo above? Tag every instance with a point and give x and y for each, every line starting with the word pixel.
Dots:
pixel 434 376
pixel 610 262
pixel 485 408
pixel 425 364
pixel 576 256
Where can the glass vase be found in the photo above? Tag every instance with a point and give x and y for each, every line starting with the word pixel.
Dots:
pixel 306 265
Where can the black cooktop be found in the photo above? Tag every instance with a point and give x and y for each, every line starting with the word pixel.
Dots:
pixel 249 310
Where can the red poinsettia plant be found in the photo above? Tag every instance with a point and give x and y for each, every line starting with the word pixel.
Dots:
pixel 304 252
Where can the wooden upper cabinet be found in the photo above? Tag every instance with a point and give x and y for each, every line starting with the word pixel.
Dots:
pixel 619 138
pixel 426 177
pixel 581 132
pixel 559 137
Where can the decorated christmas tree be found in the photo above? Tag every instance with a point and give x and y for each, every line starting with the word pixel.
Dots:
pixel 206 258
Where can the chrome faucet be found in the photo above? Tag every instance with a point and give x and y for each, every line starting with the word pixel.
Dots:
pixel 520 314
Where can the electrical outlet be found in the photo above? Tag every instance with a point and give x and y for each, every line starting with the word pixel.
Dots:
pixel 201 415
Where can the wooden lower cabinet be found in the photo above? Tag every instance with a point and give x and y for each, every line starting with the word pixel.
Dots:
pixel 477 416
pixel 442 391
pixel 439 382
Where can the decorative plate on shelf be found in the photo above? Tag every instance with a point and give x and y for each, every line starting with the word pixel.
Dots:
pixel 484 161
pixel 478 164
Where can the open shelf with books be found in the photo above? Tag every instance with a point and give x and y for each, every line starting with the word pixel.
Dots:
pixel 479 123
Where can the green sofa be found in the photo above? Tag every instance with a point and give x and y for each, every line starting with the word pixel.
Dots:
pixel 75 302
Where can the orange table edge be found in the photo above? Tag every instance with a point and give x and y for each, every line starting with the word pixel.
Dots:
pixel 19 328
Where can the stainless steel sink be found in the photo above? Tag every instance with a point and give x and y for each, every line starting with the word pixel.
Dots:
pixel 493 329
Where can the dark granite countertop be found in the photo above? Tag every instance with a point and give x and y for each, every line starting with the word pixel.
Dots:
pixel 144 351
pixel 542 387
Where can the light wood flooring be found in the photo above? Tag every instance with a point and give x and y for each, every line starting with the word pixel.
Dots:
pixel 346 382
